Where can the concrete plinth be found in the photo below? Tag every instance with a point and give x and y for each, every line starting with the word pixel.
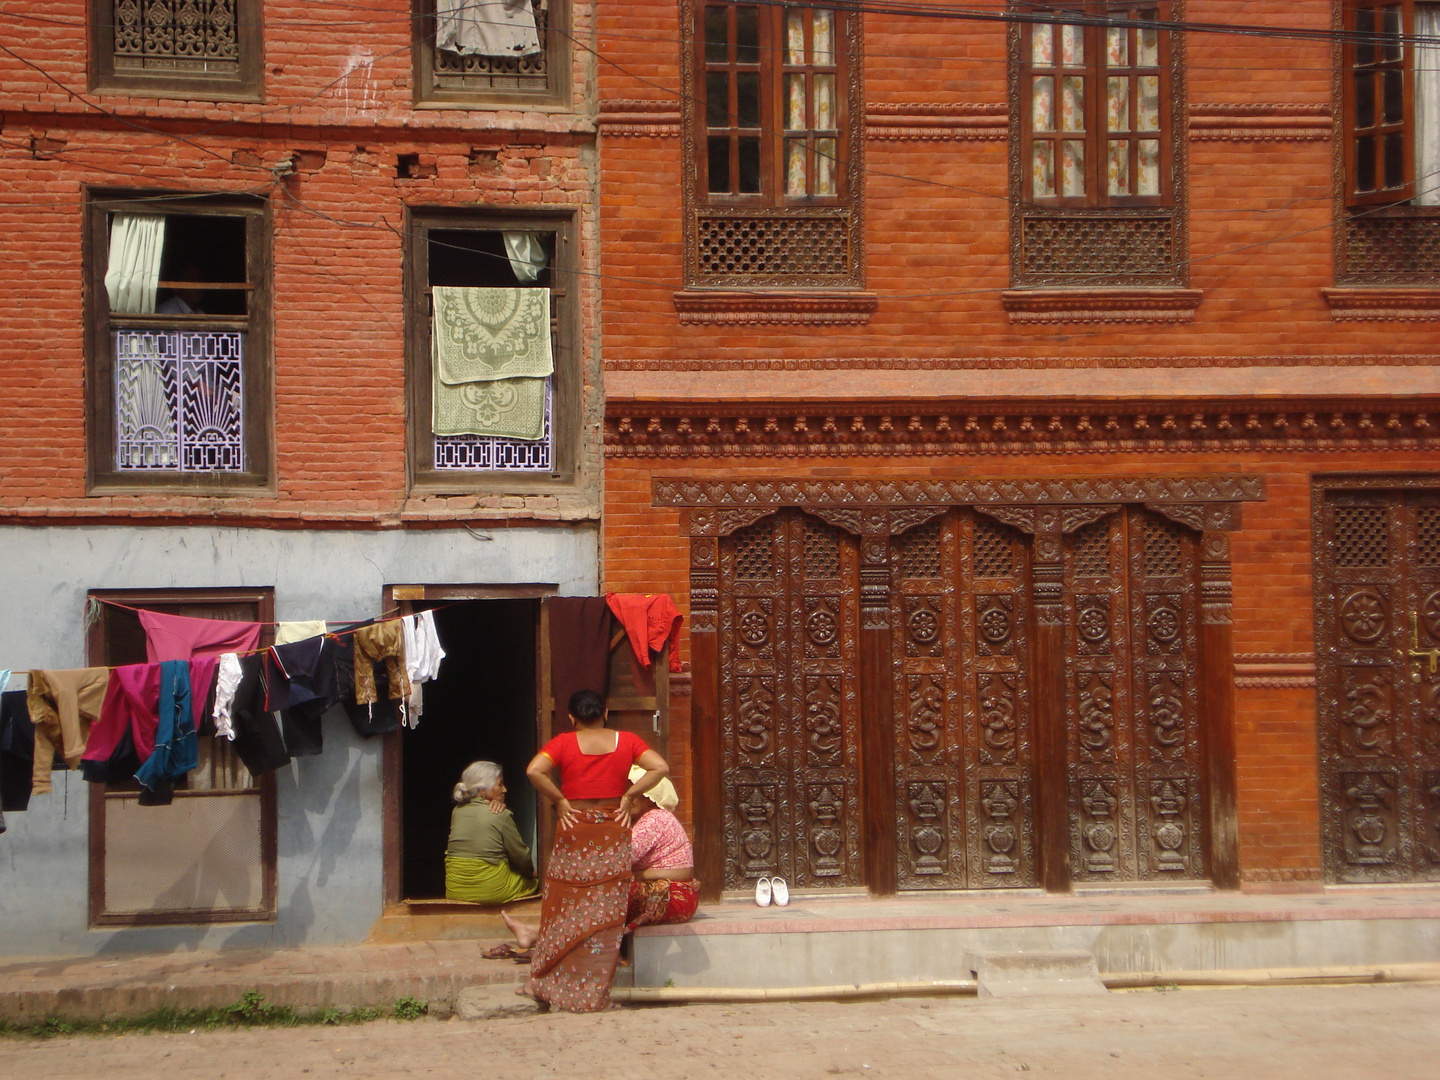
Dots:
pixel 1028 974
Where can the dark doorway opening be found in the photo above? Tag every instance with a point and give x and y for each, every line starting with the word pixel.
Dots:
pixel 482 707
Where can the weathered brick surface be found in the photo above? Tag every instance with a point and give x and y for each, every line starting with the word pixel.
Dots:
pixel 338 96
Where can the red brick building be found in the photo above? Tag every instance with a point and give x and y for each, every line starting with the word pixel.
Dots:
pixel 1036 418
pixel 266 449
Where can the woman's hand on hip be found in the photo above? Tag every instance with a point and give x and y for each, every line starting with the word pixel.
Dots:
pixel 568 815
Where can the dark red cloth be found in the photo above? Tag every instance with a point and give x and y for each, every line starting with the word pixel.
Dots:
pixel 594 776
pixel 650 621
pixel 131 707
pixel 580 629
pixel 179 637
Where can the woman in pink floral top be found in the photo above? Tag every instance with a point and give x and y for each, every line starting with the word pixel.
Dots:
pixel 664 889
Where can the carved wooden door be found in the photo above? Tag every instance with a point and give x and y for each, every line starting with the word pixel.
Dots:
pixel 960 618
pixel 1377 602
pixel 789 614
pixel 1133 727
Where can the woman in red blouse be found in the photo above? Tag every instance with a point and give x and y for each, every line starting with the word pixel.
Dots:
pixel 587 883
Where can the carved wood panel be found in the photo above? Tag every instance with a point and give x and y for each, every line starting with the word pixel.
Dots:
pixel 960 646
pixel 789 626
pixel 1134 753
pixel 1377 596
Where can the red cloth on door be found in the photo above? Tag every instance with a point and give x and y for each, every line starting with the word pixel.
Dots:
pixel 650 621
pixel 178 637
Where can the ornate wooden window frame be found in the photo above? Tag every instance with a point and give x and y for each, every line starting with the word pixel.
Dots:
pixel 1115 289
pixel 246 84
pixel 102 478
pixel 1378 241
pixel 876 510
pixel 807 296
pixel 568 381
pixel 433 91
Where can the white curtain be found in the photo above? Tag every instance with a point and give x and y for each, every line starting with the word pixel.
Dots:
pixel 1427 107
pixel 527 255
pixel 134 271
pixel 487 27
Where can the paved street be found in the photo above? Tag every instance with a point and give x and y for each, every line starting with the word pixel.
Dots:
pixel 1272 1034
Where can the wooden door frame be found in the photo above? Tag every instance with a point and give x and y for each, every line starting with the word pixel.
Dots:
pixel 875 511
pixel 396 599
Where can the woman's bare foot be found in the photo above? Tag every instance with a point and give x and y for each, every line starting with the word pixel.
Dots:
pixel 525 935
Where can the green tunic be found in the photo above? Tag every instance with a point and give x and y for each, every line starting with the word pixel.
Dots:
pixel 486 862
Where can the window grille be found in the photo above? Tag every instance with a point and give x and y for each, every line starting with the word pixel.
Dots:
pixel 179 400
pixel 457 452
pixel 178 36
pixel 454 71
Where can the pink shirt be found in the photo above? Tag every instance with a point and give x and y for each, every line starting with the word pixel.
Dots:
pixel 658 842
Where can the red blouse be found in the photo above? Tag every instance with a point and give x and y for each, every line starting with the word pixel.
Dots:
pixel 594 776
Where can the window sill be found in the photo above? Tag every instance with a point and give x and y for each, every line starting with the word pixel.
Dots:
pixel 1383 304
pixel 775 307
pixel 1102 305
pixel 202 485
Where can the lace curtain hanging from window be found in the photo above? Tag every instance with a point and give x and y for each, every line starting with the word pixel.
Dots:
pixel 133 274
pixel 487 27
pixel 1427 107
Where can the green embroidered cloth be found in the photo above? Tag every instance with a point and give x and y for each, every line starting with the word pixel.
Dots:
pixel 491 359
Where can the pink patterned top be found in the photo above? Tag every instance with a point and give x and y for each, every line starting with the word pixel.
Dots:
pixel 658 842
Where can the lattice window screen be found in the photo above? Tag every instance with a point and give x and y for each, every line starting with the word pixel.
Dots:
pixel 1385 250
pixel 1427 536
pixel 176 36
pixel 202 853
pixel 1092 550
pixel 822 550
pixel 1163 540
pixel 994 556
pixel 755 551
pixel 454 71
pixel 1097 250
pixel 919 550
pixel 1361 536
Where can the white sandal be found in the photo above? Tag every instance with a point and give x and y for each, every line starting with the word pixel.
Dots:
pixel 762 892
pixel 779 892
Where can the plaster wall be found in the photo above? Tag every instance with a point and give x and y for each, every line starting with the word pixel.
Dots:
pixel 329 837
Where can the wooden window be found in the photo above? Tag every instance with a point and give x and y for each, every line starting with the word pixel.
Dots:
pixel 179 397
pixel 1095 108
pixel 177 48
pixel 210 855
pixel 467 248
pixel 773 146
pixel 446 77
pixel 1379 107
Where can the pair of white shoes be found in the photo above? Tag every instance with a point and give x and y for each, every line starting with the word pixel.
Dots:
pixel 772 890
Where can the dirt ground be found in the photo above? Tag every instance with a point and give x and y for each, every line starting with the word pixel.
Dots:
pixel 1269 1034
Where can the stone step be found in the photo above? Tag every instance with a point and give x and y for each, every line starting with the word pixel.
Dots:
pixel 447 920
pixel 1040 972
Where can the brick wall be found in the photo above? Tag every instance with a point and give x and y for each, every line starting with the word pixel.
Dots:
pixel 337 87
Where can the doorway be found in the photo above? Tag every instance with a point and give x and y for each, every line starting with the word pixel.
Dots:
pixel 483 706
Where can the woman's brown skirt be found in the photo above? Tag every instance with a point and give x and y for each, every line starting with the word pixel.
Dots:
pixel 582 915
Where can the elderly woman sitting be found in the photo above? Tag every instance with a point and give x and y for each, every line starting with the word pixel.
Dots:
pixel 662 860
pixel 486 861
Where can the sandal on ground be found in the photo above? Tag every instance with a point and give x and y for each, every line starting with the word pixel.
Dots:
pixel 503 951
pixel 521 956
pixel 763 892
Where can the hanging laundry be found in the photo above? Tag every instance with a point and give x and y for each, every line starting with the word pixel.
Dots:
pixel 492 359
pixel 580 630
pixel 286 632
pixel 17 751
pixel 300 685
pixel 179 637
pixel 63 705
pixel 227 679
pixel 372 718
pixel 422 658
pixel 257 736
pixel 176 749
pixel 124 735
pixel 650 621
pixel 202 691
pixel 381 641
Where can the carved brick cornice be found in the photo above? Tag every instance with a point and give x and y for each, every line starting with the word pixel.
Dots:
pixel 801 307
pixel 1103 305
pixel 776 431
pixel 1252 122
pixel 1377 304
pixel 868 507
pixel 1275 670
pixel 929 122
pixel 639 118
pixel 1022 363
